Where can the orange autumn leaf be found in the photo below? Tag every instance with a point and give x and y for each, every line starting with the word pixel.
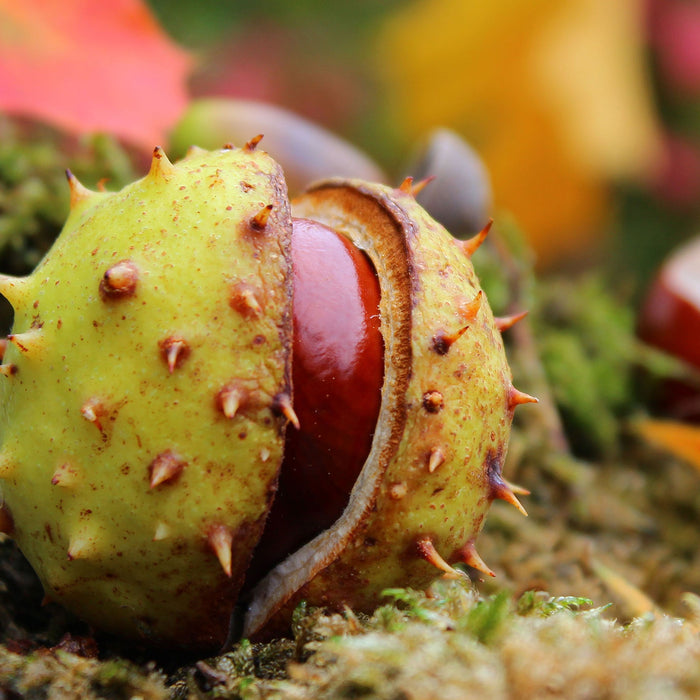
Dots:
pixel 90 66
pixel 553 94
pixel 680 439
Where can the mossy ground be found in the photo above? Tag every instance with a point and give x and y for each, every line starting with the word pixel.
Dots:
pixel 595 593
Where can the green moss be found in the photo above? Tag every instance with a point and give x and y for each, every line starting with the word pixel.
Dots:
pixel 54 673
pixel 586 339
pixel 33 192
pixel 446 643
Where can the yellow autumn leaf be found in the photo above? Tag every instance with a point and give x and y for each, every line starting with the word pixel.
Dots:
pixel 552 93
pixel 680 439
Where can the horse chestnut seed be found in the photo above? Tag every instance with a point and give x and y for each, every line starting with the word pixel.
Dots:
pixel 292 401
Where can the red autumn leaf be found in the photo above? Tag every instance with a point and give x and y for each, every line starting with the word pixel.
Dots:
pixel 89 66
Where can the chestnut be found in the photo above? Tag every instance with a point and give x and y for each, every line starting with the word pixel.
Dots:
pixel 669 319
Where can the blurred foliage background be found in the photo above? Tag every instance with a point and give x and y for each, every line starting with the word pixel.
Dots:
pixel 586 112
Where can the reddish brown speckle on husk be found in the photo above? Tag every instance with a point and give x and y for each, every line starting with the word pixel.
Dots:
pixel 174 350
pixel 119 281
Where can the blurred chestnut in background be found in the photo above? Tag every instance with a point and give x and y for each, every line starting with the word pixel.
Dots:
pixel 670 320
